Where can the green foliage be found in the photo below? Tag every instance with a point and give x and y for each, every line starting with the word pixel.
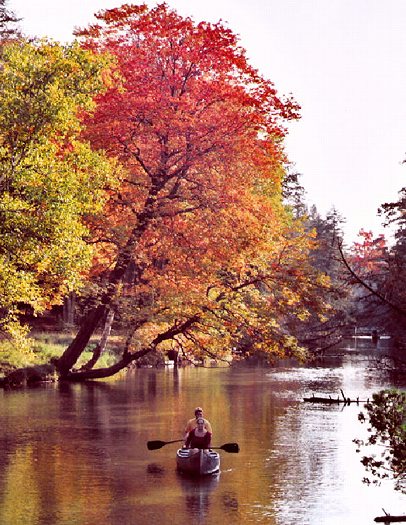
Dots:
pixel 387 427
pixel 50 180
pixel 45 351
pixel 40 348
pixel 15 355
pixel 328 315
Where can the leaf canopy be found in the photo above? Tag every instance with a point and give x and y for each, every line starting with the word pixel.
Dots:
pixel 197 229
pixel 49 177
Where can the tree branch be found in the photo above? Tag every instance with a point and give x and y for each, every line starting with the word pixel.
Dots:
pixel 366 285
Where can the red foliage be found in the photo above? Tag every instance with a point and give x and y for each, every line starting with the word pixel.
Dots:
pixel 193 123
pixel 368 255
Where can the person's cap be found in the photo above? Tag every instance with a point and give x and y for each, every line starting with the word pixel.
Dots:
pixel 198 409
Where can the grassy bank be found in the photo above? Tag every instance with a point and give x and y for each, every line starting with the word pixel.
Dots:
pixel 45 345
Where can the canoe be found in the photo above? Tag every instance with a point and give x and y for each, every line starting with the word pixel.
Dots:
pixel 198 463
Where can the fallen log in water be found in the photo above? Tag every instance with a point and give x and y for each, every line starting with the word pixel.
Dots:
pixel 329 400
pixel 388 518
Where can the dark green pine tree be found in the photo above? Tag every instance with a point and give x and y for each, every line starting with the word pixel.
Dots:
pixel 314 333
pixel 8 23
pixel 394 286
pixel 326 258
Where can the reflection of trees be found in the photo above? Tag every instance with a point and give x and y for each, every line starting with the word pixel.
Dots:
pixel 300 460
pixel 70 449
pixel 81 447
pixel 66 454
pixel 7 452
pixel 56 470
pixel 253 411
pixel 77 452
pixel 52 480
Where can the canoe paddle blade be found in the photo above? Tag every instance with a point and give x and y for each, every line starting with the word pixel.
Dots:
pixel 154 445
pixel 231 447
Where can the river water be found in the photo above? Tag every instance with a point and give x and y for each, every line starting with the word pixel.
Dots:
pixel 76 454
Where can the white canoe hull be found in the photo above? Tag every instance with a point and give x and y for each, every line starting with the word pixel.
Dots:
pixel 199 463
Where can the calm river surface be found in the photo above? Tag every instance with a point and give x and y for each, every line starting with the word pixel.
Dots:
pixel 76 454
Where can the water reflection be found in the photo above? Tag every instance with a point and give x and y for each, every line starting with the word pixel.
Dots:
pixel 230 502
pixel 156 470
pixel 78 452
pixel 197 493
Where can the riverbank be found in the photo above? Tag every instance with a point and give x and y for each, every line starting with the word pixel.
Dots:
pixel 43 346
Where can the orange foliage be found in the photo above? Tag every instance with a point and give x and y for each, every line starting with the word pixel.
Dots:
pixel 198 212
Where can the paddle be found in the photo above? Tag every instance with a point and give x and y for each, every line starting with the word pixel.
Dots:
pixel 154 445
pixel 227 447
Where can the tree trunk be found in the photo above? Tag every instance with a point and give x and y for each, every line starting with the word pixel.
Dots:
pixel 68 315
pixel 101 345
pixel 74 350
pixel 100 373
pixel 124 259
pixel 388 519
pixel 128 357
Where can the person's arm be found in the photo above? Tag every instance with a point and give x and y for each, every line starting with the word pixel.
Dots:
pixel 188 428
pixel 207 440
pixel 188 439
pixel 208 426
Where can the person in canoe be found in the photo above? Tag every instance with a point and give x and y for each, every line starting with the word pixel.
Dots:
pixel 199 437
pixel 192 423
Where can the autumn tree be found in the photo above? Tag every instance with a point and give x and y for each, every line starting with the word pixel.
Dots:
pixel 315 332
pixel 365 265
pixel 195 246
pixel 318 334
pixel 49 178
